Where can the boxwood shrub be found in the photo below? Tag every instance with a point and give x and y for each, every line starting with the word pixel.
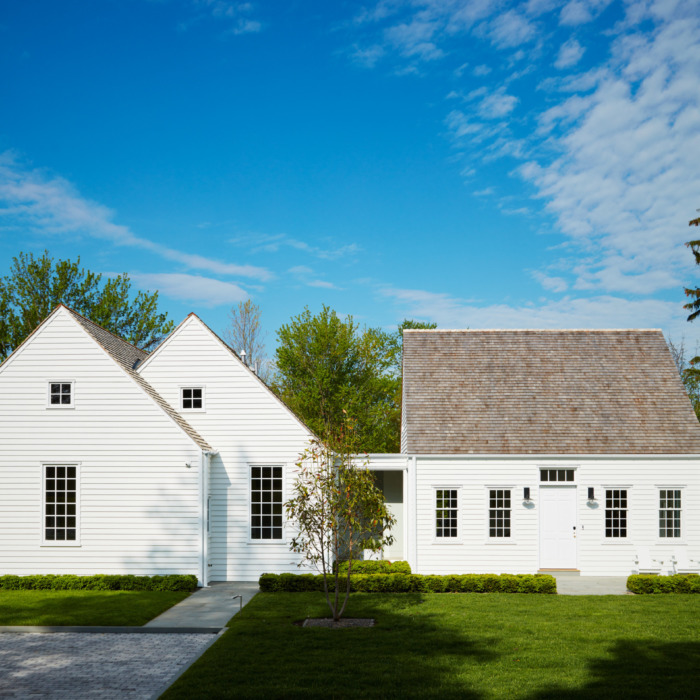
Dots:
pixel 99 582
pixel 415 583
pixel 647 583
pixel 377 567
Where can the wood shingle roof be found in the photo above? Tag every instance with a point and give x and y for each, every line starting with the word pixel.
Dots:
pixel 559 392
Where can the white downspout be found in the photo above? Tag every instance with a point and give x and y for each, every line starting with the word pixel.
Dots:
pixel 205 465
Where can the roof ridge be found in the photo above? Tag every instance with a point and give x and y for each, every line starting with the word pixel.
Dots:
pixel 532 330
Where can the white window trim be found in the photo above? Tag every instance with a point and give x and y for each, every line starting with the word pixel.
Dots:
pixel 204 398
pixel 447 540
pixel 61 543
pixel 618 541
pixel 556 467
pixel 500 541
pixel 59 406
pixel 266 543
pixel 670 540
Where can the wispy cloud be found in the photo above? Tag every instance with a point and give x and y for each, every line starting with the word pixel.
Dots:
pixel 273 243
pixel 570 53
pixel 305 275
pixel 235 16
pixel 195 289
pixel 31 199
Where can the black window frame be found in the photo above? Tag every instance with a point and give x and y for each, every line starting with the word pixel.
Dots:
pixel 616 512
pixel 500 513
pixel 190 396
pixel 266 523
pixel 446 513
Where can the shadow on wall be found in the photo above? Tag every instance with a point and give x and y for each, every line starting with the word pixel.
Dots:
pixel 639 670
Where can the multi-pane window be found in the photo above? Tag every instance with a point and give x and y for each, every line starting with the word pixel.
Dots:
pixel 669 513
pixel 446 513
pixel 616 512
pixel 60 394
pixel 557 474
pixel 266 503
pixel 60 503
pixel 499 513
pixel 193 398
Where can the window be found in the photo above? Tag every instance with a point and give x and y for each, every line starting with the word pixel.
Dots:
pixel 499 513
pixel 60 394
pixel 616 512
pixel 60 517
pixel 266 503
pixel 446 513
pixel 557 474
pixel 192 398
pixel 669 513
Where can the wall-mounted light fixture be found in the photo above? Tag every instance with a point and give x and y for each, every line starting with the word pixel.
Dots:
pixel 526 493
pixel 591 493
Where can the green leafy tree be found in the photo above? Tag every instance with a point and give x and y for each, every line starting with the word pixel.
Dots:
pixel 694 293
pixel 326 365
pixel 35 286
pixel 338 512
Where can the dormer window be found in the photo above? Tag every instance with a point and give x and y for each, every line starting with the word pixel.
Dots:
pixel 60 394
pixel 192 398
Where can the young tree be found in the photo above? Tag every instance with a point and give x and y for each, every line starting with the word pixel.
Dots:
pixel 338 512
pixel 36 285
pixel 690 374
pixel 245 334
pixel 694 305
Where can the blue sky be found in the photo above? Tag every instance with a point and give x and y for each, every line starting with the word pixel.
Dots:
pixel 477 163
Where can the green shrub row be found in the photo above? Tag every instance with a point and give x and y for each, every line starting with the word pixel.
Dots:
pixel 680 583
pixel 377 567
pixel 414 583
pixel 99 582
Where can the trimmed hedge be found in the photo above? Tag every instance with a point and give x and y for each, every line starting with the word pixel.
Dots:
pixel 643 584
pixel 377 567
pixel 99 582
pixel 414 583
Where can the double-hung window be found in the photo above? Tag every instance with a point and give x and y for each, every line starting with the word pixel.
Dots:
pixel 669 513
pixel 61 504
pixel 499 513
pixel 266 492
pixel 616 513
pixel 446 511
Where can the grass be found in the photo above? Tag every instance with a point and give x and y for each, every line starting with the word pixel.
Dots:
pixel 457 646
pixel 84 607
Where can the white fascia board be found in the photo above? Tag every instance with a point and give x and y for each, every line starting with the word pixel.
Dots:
pixel 30 338
pixel 557 457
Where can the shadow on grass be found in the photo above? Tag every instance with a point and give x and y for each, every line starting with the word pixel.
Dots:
pixel 59 608
pixel 641 670
pixel 264 654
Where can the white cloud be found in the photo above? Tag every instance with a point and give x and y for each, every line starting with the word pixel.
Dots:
pixel 552 284
pixel 570 53
pixel 46 204
pixel 273 243
pixel 511 29
pixel 578 12
pixel 201 291
pixel 605 311
pixel 481 70
pixel 307 276
pixel 497 105
pixel 368 56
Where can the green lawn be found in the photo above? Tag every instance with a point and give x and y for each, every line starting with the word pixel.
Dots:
pixel 84 607
pixel 457 646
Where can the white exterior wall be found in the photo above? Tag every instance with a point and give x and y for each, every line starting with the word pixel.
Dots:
pixel 475 552
pixel 139 509
pixel 247 425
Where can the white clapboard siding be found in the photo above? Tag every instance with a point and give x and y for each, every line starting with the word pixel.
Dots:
pixel 247 425
pixel 475 552
pixel 139 507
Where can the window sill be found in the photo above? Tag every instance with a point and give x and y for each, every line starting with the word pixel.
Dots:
pixel 57 544
pixel 267 543
pixel 60 408
pixel 501 541
pixel 447 541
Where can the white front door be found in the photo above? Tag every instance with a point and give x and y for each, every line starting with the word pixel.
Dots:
pixel 557 527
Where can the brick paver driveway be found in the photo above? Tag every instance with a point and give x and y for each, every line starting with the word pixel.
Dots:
pixel 72 666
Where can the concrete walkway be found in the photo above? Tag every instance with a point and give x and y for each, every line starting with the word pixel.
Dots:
pixel 574 584
pixel 207 607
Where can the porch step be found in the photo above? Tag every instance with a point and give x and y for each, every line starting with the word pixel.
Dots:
pixel 564 573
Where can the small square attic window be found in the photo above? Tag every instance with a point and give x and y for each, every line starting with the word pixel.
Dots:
pixel 60 394
pixel 192 398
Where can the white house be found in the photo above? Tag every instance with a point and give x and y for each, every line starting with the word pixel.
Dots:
pixel 534 450
pixel 104 467
pixel 521 451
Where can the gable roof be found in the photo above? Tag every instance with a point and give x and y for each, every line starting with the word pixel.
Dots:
pixel 559 392
pixel 193 316
pixel 125 355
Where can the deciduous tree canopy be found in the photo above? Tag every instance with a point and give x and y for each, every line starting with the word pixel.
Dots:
pixel 35 286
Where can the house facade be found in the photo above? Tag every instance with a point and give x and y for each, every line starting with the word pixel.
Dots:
pixel 527 451
pixel 521 451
